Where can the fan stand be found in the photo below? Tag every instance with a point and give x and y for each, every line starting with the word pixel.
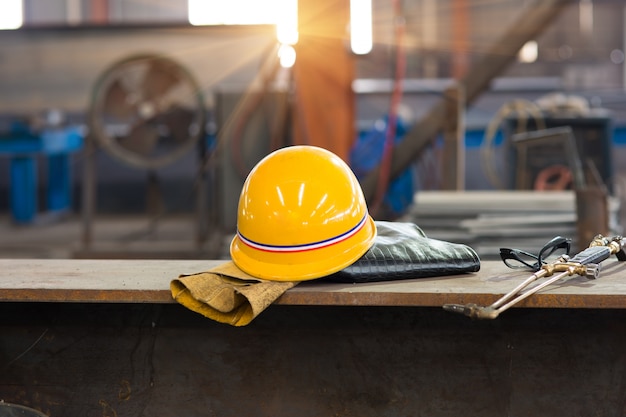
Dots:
pixel 154 200
pixel 207 241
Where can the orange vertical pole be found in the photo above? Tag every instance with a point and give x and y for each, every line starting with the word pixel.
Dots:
pixel 460 41
pixel 323 73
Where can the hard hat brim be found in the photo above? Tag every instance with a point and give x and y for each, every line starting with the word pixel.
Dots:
pixel 303 265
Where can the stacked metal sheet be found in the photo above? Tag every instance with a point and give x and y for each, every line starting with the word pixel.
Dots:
pixel 489 220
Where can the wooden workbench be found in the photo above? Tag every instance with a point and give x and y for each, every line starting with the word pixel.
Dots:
pixel 104 338
pixel 147 281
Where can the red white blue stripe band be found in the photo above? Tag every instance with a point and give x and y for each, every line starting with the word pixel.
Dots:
pixel 304 247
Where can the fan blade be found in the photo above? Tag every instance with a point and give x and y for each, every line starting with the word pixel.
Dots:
pixel 141 139
pixel 159 78
pixel 177 121
pixel 116 103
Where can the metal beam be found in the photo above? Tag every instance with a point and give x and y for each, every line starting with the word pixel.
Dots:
pixel 529 25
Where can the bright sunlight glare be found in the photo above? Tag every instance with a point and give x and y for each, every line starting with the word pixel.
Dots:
pixel 282 13
pixel 11 16
pixel 287 56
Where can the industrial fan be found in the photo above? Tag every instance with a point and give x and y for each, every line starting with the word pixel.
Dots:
pixel 147 111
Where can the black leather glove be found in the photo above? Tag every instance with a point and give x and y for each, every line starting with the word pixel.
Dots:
pixel 403 251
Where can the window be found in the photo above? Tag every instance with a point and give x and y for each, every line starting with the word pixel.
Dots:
pixel 282 13
pixel 12 14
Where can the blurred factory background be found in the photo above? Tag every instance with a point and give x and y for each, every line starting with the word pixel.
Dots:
pixel 120 120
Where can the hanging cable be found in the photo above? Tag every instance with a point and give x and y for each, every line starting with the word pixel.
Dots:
pixel 520 108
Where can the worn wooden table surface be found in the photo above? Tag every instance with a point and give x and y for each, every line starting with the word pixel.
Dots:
pixel 147 281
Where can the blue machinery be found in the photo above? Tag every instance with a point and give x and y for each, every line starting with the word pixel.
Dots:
pixel 24 148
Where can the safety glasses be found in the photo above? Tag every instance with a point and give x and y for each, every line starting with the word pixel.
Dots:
pixel 519 259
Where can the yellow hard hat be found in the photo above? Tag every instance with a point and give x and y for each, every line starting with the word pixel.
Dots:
pixel 302 215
